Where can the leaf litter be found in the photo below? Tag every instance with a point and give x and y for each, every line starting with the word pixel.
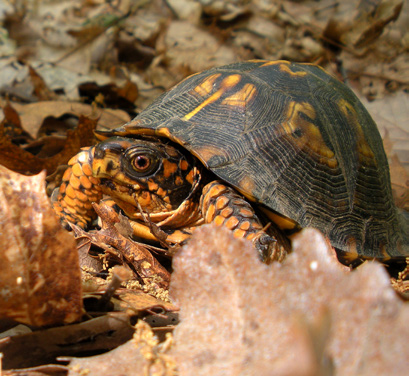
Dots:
pixel 96 64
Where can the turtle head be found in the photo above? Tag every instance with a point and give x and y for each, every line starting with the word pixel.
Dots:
pixel 151 172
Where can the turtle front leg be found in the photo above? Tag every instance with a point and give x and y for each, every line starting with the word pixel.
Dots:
pixel 79 189
pixel 223 206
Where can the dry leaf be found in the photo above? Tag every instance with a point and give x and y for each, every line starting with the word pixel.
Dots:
pixel 47 370
pixel 183 41
pixel 97 335
pixel 241 317
pixel 39 271
pixel 147 267
pixel 142 355
pixel 17 159
pixel 400 183
pixel 41 90
pixel 139 301
pixel 391 114
pixel 358 24
pixel 229 325
pixel 32 115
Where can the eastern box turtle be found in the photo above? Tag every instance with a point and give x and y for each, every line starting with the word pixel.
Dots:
pixel 245 145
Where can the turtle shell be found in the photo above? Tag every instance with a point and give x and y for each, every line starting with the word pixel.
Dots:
pixel 291 138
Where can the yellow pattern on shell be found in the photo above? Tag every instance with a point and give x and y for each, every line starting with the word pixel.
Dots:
pixel 309 134
pixel 242 97
pixel 228 83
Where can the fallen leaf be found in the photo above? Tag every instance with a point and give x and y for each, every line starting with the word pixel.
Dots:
pixel 147 267
pixel 32 115
pixel 241 317
pixel 47 370
pixel 183 40
pixel 17 159
pixel 400 183
pixel 39 273
pixel 229 324
pixel 41 347
pixel 142 355
pixel 41 90
pixel 358 25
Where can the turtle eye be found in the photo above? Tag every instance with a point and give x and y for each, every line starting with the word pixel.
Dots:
pixel 141 163
pixel 144 163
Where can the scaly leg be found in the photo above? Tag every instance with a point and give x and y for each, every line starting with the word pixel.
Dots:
pixel 223 206
pixel 78 190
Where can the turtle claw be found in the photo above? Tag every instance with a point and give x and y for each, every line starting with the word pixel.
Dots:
pixel 269 248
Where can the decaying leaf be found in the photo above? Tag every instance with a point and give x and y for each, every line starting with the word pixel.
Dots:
pixel 42 92
pixel 400 183
pixel 360 24
pixel 39 271
pixel 142 355
pixel 255 319
pixel 183 40
pixel 100 334
pixel 20 160
pixel 32 115
pixel 139 301
pixel 147 267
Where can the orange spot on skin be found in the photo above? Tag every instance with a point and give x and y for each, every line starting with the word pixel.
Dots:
pixel 77 170
pixel 161 192
pixel 183 165
pixel 179 180
pixel 67 174
pixel 85 182
pixel 69 209
pixel 62 188
pixel 231 223
pixel 75 182
pixel 245 226
pixel 222 202
pixel 251 236
pixel 241 98
pixel 227 212
pixel 216 190
pixel 70 202
pixel 238 233
pixel 86 168
pixel 145 200
pixel 247 213
pixel 210 213
pixel 152 186
pixel 206 86
pixel 93 180
pixel 169 168
pixel 190 176
pixel 89 193
pixel 219 220
pixel 228 83
pixel 177 237
pixel 81 196
pixel 70 192
pixel 88 206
